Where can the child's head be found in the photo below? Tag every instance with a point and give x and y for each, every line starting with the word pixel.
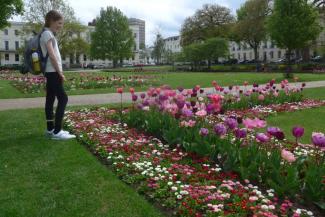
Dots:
pixel 54 21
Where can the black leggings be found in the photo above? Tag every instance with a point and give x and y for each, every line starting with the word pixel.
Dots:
pixel 54 88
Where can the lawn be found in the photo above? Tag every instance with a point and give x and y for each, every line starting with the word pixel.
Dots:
pixel 184 79
pixel 311 119
pixel 41 177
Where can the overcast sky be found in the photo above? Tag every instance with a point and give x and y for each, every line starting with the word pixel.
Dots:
pixel 165 15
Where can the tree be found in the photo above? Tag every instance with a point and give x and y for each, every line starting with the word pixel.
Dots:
pixel 251 23
pixel 211 49
pixel 214 48
pixel 194 53
pixel 35 16
pixel 210 21
pixel 158 48
pixel 8 8
pixel 293 25
pixel 112 38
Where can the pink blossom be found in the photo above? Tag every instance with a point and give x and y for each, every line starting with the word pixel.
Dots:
pixel 256 123
pixel 288 156
pixel 201 113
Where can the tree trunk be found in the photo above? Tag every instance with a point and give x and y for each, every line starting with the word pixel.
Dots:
pixel 256 59
pixel 209 65
pixel 114 63
pixel 289 67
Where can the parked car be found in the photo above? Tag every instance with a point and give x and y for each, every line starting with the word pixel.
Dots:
pixel 91 66
pixel 100 66
pixel 316 58
pixel 127 65
pixel 230 61
pixel 243 62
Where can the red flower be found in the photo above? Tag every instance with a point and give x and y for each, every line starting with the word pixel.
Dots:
pixel 119 90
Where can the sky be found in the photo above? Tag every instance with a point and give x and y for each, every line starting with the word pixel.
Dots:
pixel 166 16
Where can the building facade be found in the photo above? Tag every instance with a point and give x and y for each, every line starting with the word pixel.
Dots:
pixel 11 40
pixel 173 44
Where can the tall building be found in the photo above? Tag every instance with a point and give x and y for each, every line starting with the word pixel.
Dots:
pixel 140 25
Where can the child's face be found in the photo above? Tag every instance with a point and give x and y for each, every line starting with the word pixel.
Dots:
pixel 57 25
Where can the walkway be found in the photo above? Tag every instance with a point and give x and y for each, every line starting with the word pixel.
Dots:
pixel 97 99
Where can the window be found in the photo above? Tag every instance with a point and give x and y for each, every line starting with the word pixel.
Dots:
pixel 244 56
pixel 265 44
pixel 135 35
pixel 135 47
pixel 16 32
pixel 279 54
pixel 7 45
pixel 17 45
pixel 239 56
pixel 250 55
pixel 265 56
pixel 133 58
pixel 85 57
pixel 233 48
pixel 271 55
pixel 17 57
pixel 6 31
pixel 7 57
pixel 238 47
pixel 272 44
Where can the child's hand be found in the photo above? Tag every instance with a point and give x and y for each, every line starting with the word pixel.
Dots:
pixel 62 77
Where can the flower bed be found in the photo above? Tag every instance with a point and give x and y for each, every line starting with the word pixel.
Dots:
pixel 180 181
pixel 292 169
pixel 36 84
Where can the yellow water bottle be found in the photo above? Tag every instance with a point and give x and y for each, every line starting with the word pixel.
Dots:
pixel 36 63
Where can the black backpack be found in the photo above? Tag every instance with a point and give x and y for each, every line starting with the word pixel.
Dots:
pixel 33 47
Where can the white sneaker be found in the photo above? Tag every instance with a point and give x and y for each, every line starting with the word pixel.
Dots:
pixel 63 136
pixel 49 133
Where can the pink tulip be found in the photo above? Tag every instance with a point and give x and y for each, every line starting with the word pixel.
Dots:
pixel 256 123
pixel 288 156
pixel 201 113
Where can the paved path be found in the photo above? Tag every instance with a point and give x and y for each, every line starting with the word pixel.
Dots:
pixel 96 99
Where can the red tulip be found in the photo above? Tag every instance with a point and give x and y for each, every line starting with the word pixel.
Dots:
pixel 132 90
pixel 119 90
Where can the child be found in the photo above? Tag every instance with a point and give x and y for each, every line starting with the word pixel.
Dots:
pixel 54 76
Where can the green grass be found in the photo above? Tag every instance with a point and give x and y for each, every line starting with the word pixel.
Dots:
pixel 174 79
pixel 311 119
pixel 315 93
pixel 41 177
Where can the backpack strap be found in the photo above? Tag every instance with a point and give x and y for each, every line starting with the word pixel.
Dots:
pixel 39 46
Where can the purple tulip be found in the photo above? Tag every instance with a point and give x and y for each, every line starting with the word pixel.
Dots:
pixel 163 98
pixel 204 131
pixel 180 89
pixel 276 132
pixel 134 98
pixel 193 103
pixel 240 133
pixel 143 95
pixel 318 139
pixel 298 132
pixel 220 129
pixel 231 123
pixel 262 137
pixel 145 103
pixel 187 113
pixel 180 104
pixel 209 108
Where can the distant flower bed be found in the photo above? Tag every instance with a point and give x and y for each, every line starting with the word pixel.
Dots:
pixel 36 84
pixel 182 182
